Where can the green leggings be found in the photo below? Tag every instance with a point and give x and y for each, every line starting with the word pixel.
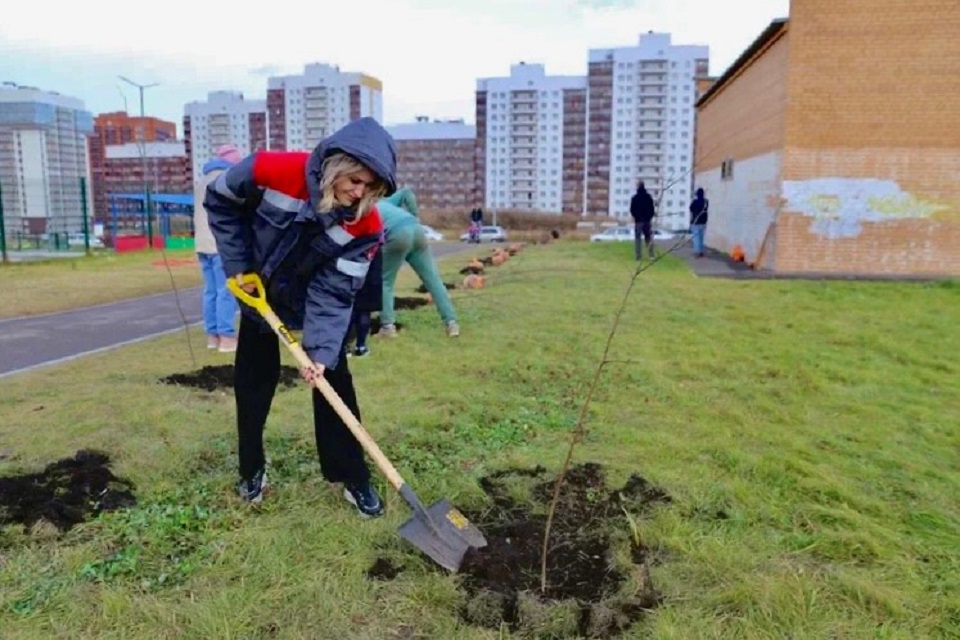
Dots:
pixel 409 244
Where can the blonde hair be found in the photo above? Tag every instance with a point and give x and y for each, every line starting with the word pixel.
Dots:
pixel 340 165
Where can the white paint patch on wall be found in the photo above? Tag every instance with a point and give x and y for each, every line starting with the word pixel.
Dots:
pixel 840 206
pixel 742 208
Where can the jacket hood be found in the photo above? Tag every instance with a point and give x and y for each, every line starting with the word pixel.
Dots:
pixel 214 165
pixel 700 194
pixel 364 139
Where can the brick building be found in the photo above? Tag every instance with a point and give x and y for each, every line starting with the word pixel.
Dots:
pixel 166 163
pixel 303 109
pixel 226 117
pixel 823 151
pixel 436 160
pixel 531 136
pixel 118 128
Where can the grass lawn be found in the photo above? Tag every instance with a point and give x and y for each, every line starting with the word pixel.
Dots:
pixel 807 433
pixel 68 283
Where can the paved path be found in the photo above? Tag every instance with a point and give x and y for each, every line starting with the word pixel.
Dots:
pixel 36 341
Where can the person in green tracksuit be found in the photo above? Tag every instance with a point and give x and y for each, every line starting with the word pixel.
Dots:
pixel 406 242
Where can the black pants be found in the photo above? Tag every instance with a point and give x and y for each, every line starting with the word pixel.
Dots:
pixel 256 374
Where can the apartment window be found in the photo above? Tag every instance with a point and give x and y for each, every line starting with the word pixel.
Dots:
pixel 726 169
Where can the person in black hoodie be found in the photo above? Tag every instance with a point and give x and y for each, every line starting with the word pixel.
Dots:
pixel 698 221
pixel 642 209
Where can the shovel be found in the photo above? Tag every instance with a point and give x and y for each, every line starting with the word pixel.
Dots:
pixel 440 531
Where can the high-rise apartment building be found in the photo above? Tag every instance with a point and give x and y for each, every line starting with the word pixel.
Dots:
pixel 163 167
pixel 436 160
pixel 304 109
pixel 531 143
pixel 43 156
pixel 119 128
pixel 225 118
pixel 641 125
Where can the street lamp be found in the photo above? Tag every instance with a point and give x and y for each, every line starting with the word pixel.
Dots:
pixel 143 157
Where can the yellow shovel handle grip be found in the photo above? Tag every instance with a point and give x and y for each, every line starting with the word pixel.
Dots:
pixel 235 285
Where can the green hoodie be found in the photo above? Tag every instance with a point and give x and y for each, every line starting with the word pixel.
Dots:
pixel 399 210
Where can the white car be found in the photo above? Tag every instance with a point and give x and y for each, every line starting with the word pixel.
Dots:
pixel 431 233
pixel 488 234
pixel 77 240
pixel 625 234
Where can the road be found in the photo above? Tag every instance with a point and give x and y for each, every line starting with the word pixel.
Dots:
pixel 37 341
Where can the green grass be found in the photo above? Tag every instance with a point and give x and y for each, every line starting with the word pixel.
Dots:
pixel 104 276
pixel 807 432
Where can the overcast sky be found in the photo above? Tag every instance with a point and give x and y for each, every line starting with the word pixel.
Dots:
pixel 428 53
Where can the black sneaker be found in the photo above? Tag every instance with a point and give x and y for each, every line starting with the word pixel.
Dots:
pixel 364 497
pixel 360 352
pixel 252 490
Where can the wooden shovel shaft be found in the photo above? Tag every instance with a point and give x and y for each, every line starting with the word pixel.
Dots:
pixel 359 432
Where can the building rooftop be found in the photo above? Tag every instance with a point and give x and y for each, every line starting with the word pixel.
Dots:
pixel 772 31
pixel 423 129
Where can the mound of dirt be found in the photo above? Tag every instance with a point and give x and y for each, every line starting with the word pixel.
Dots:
pixel 66 493
pixel 220 378
pixel 409 303
pixel 448 286
pixel 586 595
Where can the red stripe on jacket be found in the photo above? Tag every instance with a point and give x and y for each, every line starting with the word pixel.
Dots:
pixel 286 172
pixel 282 171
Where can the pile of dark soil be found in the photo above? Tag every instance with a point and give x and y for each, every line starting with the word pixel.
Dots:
pixel 220 378
pixel 586 594
pixel 447 285
pixel 409 303
pixel 66 493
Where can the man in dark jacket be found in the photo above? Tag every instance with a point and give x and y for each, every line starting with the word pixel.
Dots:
pixel 642 209
pixel 699 210
pixel 308 225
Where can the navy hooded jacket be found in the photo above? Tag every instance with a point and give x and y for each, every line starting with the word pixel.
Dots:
pixel 263 214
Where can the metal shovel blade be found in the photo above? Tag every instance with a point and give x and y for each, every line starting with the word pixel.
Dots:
pixel 443 533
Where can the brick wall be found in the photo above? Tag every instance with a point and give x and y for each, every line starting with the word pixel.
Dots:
pixel 871 164
pixel 746 117
pixel 440 172
pixel 277 119
pixel 743 122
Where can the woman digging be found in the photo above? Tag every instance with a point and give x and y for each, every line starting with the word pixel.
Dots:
pixel 307 224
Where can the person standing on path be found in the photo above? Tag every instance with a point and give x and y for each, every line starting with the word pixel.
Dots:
pixel 219 305
pixel 699 211
pixel 642 209
pixel 406 242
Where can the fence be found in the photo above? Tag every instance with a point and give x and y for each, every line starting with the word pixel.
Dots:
pixel 47 217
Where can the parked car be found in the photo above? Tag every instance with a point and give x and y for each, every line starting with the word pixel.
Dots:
pixel 431 233
pixel 76 240
pixel 488 234
pixel 625 234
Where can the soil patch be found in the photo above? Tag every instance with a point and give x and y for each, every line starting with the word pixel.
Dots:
pixel 176 262
pixel 383 569
pixel 448 286
pixel 220 377
pixel 66 493
pixel 588 593
pixel 409 303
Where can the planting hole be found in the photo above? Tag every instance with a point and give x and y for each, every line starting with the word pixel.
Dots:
pixel 586 595
pixel 220 378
